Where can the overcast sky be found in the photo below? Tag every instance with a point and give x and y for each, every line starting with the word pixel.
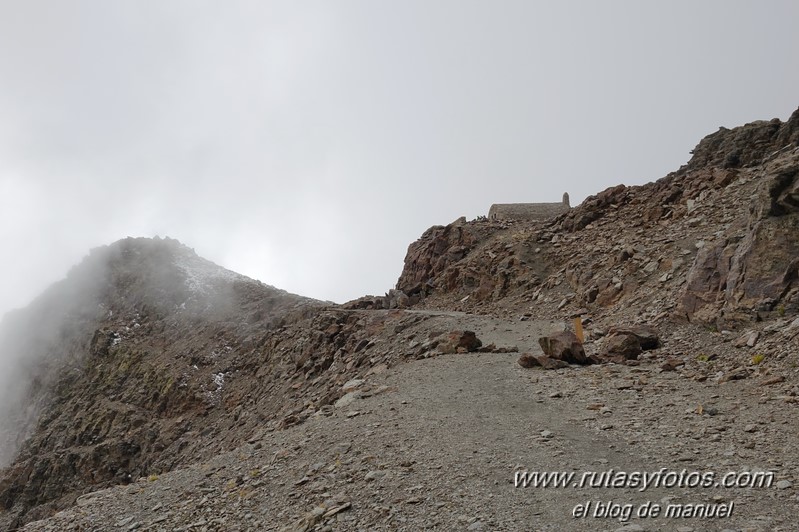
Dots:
pixel 306 144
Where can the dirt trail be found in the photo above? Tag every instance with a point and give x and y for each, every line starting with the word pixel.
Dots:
pixel 434 445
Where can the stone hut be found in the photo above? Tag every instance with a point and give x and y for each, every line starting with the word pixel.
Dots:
pixel 528 211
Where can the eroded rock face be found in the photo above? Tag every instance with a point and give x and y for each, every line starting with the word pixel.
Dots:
pixel 437 249
pixel 703 295
pixel 751 269
pixel 746 145
pixel 765 267
pixel 595 207
pixel 756 271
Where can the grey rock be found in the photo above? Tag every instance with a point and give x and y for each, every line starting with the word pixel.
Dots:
pixel 374 475
pixel 348 399
pixel 352 384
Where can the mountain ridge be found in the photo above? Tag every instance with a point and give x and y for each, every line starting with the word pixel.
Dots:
pixel 170 360
pixel 109 335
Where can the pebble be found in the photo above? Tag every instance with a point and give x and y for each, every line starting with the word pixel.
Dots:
pixel 374 475
pixel 631 528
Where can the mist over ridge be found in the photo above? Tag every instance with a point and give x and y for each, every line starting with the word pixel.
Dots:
pixel 128 279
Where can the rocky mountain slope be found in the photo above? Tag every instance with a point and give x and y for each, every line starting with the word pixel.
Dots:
pixel 436 444
pixel 148 359
pixel 714 243
pixel 126 362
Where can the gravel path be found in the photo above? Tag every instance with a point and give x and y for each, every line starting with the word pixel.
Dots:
pixel 434 444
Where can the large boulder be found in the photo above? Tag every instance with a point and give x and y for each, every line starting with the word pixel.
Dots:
pixel 625 346
pixel 460 342
pixel 646 335
pixel 564 346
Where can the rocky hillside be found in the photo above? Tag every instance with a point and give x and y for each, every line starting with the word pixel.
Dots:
pixel 148 359
pixel 714 242
pixel 124 364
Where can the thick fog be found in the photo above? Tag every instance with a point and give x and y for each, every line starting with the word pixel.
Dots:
pixel 306 144
pixel 46 346
pixel 46 341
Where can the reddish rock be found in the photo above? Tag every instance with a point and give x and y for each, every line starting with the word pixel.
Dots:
pixel 595 359
pixel 623 345
pixel 564 346
pixel 608 295
pixel 646 335
pixel 491 348
pixel 528 360
pixel 460 342
pixel 671 364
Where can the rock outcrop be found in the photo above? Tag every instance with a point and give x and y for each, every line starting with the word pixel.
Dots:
pixel 439 250
pixel 753 269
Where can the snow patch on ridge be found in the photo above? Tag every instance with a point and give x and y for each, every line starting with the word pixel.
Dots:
pixel 202 276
